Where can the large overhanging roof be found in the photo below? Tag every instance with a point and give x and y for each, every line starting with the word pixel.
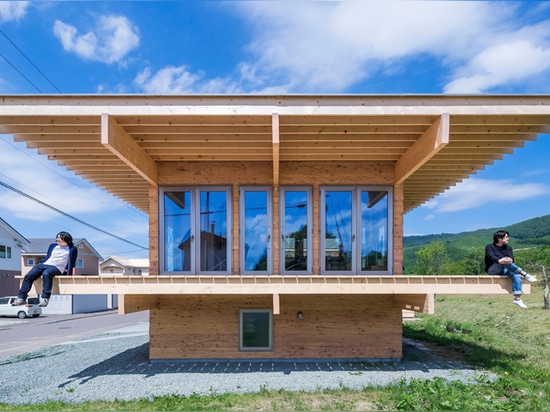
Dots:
pixel 117 142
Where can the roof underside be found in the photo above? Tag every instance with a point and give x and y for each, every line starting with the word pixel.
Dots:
pixel 109 139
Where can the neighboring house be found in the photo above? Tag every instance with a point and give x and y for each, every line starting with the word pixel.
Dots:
pixel 11 242
pixel 114 265
pixel 227 180
pixel 87 264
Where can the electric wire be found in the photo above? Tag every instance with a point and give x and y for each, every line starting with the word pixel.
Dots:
pixel 25 153
pixel 30 61
pixel 22 75
pixel 7 186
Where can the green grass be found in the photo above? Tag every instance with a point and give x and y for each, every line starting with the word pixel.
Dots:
pixel 511 342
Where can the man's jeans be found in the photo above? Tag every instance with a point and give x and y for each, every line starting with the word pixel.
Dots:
pixel 47 272
pixel 511 270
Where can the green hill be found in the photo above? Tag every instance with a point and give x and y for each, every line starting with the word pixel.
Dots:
pixel 527 234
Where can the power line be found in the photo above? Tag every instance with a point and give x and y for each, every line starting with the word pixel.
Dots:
pixel 68 215
pixel 22 75
pixel 26 153
pixel 30 61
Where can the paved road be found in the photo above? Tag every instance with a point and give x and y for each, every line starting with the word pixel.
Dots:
pixel 19 336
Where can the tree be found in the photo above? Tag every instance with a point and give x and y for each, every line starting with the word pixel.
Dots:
pixel 432 259
pixel 474 262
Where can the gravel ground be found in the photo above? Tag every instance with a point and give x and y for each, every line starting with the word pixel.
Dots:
pixel 114 365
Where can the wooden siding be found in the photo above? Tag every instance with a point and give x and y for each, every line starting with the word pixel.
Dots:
pixel 335 327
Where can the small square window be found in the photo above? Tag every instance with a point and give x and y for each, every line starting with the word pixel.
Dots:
pixel 30 262
pixel 255 330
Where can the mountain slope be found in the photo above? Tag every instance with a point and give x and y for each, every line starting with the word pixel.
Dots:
pixel 526 234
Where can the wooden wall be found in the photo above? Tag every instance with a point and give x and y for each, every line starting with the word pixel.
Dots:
pixel 261 173
pixel 333 326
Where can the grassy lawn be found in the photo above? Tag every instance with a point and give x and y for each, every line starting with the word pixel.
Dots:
pixel 511 342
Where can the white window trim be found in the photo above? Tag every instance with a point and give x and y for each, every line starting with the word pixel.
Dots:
pixel 242 231
pixel 255 349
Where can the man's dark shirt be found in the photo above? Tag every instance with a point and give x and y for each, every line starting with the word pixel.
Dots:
pixel 493 253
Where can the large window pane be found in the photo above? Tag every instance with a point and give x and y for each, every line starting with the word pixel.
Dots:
pixel 338 231
pixel 256 231
pixel 295 209
pixel 374 231
pixel 213 231
pixel 177 231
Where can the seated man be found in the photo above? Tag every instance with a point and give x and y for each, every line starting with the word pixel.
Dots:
pixel 499 260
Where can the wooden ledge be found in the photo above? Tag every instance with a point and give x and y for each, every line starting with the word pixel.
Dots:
pixel 236 285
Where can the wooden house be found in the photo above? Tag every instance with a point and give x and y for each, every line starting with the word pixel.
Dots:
pixel 276 222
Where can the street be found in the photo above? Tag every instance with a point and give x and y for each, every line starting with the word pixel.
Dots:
pixel 19 336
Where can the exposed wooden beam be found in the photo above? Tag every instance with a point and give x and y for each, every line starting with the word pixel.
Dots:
pixel 275 144
pixel 431 142
pixel 276 304
pixel 122 145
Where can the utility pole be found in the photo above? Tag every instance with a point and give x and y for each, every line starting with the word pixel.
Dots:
pixel 545 292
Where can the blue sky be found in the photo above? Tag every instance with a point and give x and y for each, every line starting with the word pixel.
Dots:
pixel 270 47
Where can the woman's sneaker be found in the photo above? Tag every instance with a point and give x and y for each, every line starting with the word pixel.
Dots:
pixel 19 302
pixel 43 302
pixel 530 278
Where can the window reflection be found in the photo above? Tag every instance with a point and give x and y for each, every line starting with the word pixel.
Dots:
pixel 338 231
pixel 374 231
pixel 295 231
pixel 256 231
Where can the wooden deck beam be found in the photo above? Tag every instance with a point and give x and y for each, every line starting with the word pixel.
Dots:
pixel 281 285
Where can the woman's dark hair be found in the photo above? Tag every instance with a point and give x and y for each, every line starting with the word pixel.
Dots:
pixel 499 235
pixel 66 237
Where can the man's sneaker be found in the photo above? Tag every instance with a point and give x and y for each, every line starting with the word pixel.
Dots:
pixel 520 303
pixel 19 302
pixel 43 302
pixel 530 278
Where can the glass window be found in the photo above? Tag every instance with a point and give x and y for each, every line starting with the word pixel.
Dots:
pixel 30 262
pixel 213 238
pixel 2 252
pixel 177 231
pixel 79 263
pixel 361 213
pixel 195 213
pixel 374 230
pixel 338 231
pixel 256 329
pixel 296 228
pixel 256 217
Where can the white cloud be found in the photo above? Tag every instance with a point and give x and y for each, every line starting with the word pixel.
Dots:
pixel 331 46
pixel 179 80
pixel 113 38
pixel 12 10
pixel 57 188
pixel 505 63
pixel 474 193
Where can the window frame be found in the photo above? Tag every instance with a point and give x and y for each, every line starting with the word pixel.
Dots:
pixel 282 223
pixel 270 330
pixel 356 220
pixel 242 229
pixel 195 222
